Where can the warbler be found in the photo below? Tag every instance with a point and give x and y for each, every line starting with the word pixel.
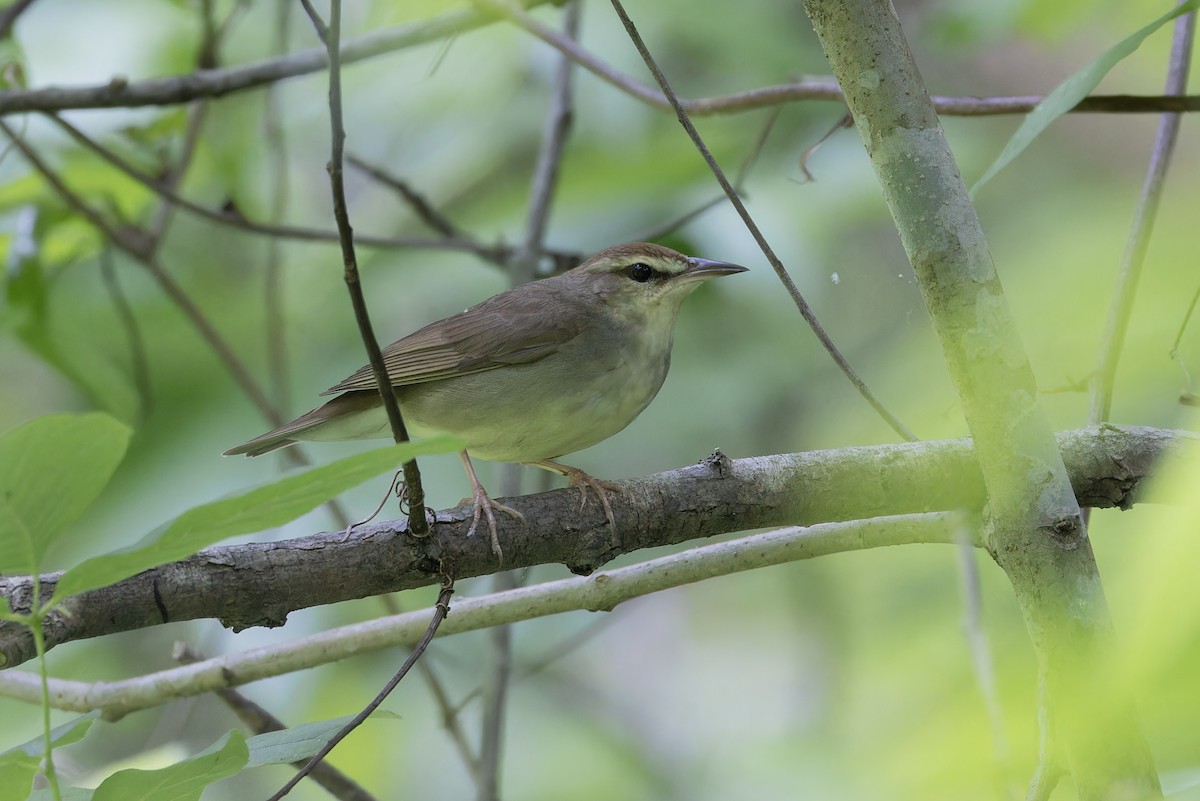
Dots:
pixel 542 370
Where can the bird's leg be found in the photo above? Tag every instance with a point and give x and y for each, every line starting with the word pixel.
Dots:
pixel 485 505
pixel 581 480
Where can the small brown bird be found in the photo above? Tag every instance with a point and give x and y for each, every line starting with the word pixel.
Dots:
pixel 548 368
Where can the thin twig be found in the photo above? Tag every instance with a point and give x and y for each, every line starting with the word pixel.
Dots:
pixel 847 121
pixel 497 679
pixel 1187 317
pixel 495 699
pixel 1049 770
pixel 273 319
pixel 981 655
pixel 120 93
pixel 809 89
pixel 206 58
pixel 142 247
pixel 662 229
pixel 495 254
pixel 133 334
pixel 259 720
pixel 1121 307
pixel 8 17
pixel 448 712
pixel 423 208
pixel 169 183
pixel 556 652
pixel 555 131
pixel 136 243
pixel 450 718
pixel 417 523
pixel 781 271
pixel 1188 396
pixel 440 610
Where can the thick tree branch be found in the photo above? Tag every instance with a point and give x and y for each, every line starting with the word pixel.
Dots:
pixel 600 592
pixel 258 584
pixel 1034 527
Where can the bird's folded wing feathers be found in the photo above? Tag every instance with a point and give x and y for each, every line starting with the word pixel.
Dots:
pixel 504 330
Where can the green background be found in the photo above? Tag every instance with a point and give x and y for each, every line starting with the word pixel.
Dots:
pixel 845 677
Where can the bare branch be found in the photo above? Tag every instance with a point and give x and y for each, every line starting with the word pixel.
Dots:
pixel 495 254
pixel 1107 466
pixel 174 90
pixel 423 208
pixel 121 93
pixel 554 141
pixel 662 229
pixel 277 168
pixel 449 716
pixel 139 364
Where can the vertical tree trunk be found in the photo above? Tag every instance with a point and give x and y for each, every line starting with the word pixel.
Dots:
pixel 1033 524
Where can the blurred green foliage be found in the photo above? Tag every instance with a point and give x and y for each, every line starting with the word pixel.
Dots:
pixel 846 677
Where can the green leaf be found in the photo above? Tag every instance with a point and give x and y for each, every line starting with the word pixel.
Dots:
pixel 68 733
pixel 183 781
pixel 1075 88
pixel 12 64
pixel 51 469
pixel 149 136
pixel 16 776
pixel 29 189
pixel 24 284
pixel 19 765
pixel 69 241
pixel 299 742
pixel 263 507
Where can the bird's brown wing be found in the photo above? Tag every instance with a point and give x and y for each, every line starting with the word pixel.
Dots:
pixel 514 327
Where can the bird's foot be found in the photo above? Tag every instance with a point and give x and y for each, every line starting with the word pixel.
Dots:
pixel 582 481
pixel 484 507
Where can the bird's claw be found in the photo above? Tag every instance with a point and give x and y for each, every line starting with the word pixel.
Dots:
pixel 483 507
pixel 582 481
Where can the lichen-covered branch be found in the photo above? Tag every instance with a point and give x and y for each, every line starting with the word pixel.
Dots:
pixel 1033 524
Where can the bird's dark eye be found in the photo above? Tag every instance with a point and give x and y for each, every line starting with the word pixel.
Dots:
pixel 641 272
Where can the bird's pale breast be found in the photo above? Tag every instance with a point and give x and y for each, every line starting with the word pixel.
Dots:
pixel 572 399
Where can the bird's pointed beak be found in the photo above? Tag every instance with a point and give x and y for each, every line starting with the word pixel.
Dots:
pixel 701 269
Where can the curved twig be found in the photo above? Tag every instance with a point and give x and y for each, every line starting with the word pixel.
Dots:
pixel 801 304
